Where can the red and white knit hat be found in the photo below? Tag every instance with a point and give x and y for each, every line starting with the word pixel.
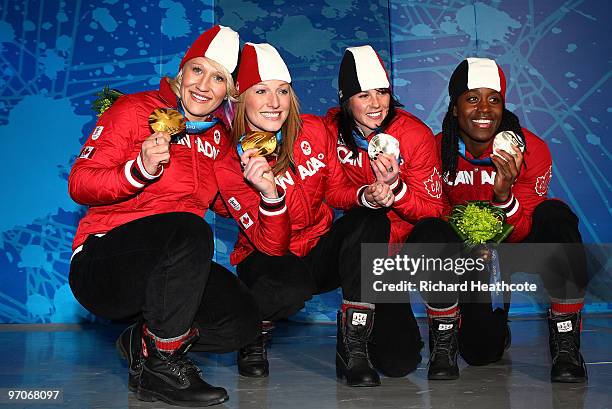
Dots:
pixel 474 73
pixel 219 43
pixel 361 69
pixel 260 62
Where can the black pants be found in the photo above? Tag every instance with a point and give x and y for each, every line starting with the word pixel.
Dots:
pixel 281 286
pixel 483 331
pixel 160 267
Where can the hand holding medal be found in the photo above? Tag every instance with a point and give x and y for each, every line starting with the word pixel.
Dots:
pixel 253 149
pixel 167 120
pixel 257 171
pixel 507 158
pixel 384 153
pixel 166 125
pixel 383 143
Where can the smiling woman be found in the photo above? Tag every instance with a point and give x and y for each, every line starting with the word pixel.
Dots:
pixel 479 112
pixel 267 105
pixel 288 197
pixel 202 83
pixel 369 112
pixel 203 87
pixel 369 108
pixel 516 182
pixel 143 248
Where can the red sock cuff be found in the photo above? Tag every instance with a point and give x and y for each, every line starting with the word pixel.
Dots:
pixel 443 312
pixel 169 345
pixel 356 305
pixel 566 308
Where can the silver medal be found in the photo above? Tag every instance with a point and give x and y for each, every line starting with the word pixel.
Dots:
pixel 505 140
pixel 383 143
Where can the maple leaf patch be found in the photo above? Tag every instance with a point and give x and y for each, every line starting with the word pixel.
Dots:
pixel 542 182
pixel 434 184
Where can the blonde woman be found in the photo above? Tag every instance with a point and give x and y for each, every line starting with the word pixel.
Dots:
pixel 143 248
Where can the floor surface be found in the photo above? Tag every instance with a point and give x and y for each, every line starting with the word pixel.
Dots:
pixel 82 362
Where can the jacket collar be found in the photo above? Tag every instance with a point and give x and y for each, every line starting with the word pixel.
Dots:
pixel 166 93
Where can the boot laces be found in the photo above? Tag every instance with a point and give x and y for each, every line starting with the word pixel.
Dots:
pixel 138 362
pixel 443 344
pixel 565 343
pixel 182 365
pixel 357 347
pixel 258 347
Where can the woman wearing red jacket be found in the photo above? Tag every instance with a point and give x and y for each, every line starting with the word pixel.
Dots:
pixel 305 252
pixel 516 182
pixel 368 108
pixel 143 248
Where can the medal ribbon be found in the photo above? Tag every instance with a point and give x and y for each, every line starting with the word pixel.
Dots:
pixel 195 127
pixel 497 297
pixel 279 142
pixel 362 142
pixel 461 150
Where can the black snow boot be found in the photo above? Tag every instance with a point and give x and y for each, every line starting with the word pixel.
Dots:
pixel 253 358
pixel 564 340
pixel 352 358
pixel 174 378
pixel 443 345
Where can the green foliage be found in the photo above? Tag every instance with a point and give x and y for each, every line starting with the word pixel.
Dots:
pixel 105 99
pixel 479 222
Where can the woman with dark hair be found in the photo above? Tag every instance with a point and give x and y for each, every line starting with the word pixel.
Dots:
pixel 143 248
pixel 368 108
pixel 292 190
pixel 515 180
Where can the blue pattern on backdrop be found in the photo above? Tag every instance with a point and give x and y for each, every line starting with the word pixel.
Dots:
pixel 56 55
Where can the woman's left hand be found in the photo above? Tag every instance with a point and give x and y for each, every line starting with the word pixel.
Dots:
pixel 508 168
pixel 386 168
pixel 379 194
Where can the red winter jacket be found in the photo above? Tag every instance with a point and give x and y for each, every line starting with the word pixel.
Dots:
pixel 316 183
pixel 475 182
pixel 420 193
pixel 108 176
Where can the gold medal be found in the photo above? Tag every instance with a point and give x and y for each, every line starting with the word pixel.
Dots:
pixel 383 143
pixel 167 120
pixel 265 142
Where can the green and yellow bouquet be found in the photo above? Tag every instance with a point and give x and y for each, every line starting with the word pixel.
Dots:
pixel 479 222
pixel 105 99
